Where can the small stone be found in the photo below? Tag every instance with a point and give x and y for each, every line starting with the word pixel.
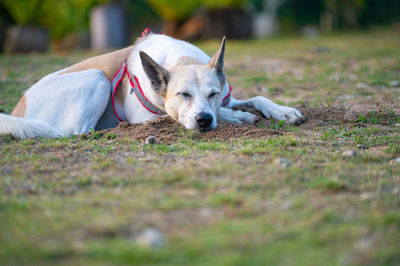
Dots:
pixel 7 171
pixel 151 238
pixel 322 50
pixel 362 147
pixel 362 85
pixel 394 161
pixel 349 153
pixel 395 83
pixel 367 195
pixel 364 244
pixel 285 162
pixel 285 205
pixel 150 140
pixel 205 212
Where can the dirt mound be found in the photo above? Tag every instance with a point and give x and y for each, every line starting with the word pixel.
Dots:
pixel 165 129
pixel 322 116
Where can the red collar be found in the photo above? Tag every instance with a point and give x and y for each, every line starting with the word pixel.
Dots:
pixel 136 88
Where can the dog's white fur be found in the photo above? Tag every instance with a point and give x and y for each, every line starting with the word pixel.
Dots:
pixel 65 103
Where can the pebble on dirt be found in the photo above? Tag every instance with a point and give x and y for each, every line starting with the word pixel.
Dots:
pixel 205 212
pixel 395 83
pixel 394 161
pixel 362 147
pixel 285 162
pixel 150 140
pixel 349 153
pixel 367 195
pixel 7 171
pixel 150 238
pixel 362 85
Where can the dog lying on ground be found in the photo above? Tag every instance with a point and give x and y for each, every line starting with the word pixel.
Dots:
pixel 157 75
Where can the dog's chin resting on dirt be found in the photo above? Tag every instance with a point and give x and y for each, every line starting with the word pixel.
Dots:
pixel 157 75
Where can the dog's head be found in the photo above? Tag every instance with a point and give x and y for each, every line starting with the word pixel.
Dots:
pixel 191 93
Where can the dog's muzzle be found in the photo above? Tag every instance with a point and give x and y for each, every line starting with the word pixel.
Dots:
pixel 204 120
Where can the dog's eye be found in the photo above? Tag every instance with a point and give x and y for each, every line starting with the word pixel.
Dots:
pixel 184 95
pixel 213 94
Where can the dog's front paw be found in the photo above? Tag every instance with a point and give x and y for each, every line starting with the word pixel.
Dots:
pixel 279 112
pixel 291 115
pixel 236 116
pixel 247 117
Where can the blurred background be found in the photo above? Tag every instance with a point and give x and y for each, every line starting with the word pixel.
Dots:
pixel 42 25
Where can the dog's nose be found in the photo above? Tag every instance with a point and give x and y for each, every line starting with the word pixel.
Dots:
pixel 204 119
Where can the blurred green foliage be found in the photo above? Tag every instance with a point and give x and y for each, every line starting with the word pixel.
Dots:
pixel 380 12
pixel 294 14
pixel 24 12
pixel 173 10
pixel 62 17
pixel 177 10
pixel 139 15
pixel 59 17
pixel 211 4
pixel 66 16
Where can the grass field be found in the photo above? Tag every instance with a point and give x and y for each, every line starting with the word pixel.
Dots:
pixel 325 193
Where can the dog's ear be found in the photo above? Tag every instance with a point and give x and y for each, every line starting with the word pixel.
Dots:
pixel 217 61
pixel 158 75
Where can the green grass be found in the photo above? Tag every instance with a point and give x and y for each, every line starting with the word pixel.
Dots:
pixel 84 200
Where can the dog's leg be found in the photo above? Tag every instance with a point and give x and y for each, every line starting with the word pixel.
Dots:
pixel 237 117
pixel 271 110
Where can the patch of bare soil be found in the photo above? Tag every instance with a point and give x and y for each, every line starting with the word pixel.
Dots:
pixel 322 116
pixel 166 130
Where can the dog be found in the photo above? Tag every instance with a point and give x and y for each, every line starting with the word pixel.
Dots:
pixel 158 75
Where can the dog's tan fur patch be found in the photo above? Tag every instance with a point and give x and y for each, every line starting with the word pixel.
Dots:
pixel 20 109
pixel 108 63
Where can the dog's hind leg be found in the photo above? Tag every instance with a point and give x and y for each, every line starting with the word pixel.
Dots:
pixel 271 110
pixel 70 103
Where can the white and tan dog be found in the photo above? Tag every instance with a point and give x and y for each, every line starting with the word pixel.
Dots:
pixel 155 76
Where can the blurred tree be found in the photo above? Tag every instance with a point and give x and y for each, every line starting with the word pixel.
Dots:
pixel 66 16
pixel 344 12
pixel 59 17
pixel 177 10
pixel 140 15
pixel 380 12
pixel 216 4
pixel 328 14
pixel 176 14
pixel 62 17
pixel 174 10
pixel 24 12
pixel 295 14
pixel 27 36
pixel 5 20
